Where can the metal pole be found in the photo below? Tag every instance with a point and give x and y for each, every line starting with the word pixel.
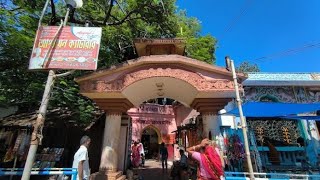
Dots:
pixel 42 13
pixel 35 138
pixel 243 121
pixel 67 16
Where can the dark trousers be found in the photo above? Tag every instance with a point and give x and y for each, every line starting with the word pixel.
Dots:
pixel 164 162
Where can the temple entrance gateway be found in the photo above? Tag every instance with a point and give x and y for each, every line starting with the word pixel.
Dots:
pixel 197 85
pixel 150 142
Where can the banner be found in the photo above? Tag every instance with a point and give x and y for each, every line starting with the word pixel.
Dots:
pixel 74 48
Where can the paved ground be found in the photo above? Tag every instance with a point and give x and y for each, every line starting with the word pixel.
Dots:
pixel 153 171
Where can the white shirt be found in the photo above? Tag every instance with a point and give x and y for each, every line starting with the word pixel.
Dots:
pixel 141 149
pixel 82 155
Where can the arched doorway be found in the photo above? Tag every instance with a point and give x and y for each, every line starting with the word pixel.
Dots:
pixel 150 139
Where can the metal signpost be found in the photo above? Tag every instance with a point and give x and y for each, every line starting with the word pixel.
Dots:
pixel 84 39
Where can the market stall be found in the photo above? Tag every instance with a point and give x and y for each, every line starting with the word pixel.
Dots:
pixel 60 140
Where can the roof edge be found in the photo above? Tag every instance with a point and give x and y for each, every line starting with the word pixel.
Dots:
pixel 160 59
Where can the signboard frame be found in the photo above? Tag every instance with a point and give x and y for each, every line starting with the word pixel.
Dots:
pixel 69 48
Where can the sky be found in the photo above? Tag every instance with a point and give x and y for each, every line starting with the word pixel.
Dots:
pixel 277 35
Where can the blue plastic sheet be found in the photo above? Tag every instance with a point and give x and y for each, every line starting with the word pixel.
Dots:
pixel 271 109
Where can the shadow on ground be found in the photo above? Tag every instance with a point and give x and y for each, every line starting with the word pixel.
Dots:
pixel 153 171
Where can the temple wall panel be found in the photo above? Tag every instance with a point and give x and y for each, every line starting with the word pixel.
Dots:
pixel 281 94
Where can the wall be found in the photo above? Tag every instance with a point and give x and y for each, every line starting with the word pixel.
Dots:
pixel 161 118
pixel 183 114
pixel 96 134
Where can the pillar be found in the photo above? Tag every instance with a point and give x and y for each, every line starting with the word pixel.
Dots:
pixel 111 136
pixel 210 123
pixel 209 107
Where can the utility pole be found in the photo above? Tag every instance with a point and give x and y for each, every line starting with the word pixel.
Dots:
pixel 243 121
pixel 36 136
pixel 37 127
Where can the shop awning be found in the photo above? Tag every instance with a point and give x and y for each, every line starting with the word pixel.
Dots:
pixel 270 109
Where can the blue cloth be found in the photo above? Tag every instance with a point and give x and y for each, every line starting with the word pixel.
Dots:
pixel 271 109
pixel 315 118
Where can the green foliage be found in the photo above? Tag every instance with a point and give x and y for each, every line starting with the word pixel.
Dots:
pixel 246 67
pixel 123 21
pixel 198 48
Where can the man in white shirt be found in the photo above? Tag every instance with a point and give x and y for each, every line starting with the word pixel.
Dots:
pixel 81 159
pixel 141 149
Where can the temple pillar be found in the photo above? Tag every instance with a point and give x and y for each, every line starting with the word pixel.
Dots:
pixel 211 124
pixel 209 110
pixel 111 149
pixel 111 136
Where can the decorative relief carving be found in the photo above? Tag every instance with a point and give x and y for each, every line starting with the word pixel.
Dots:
pixel 314 96
pixel 192 78
pixel 300 94
pixel 285 131
pixel 281 94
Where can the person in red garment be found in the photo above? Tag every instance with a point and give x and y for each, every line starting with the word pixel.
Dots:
pixel 136 154
pixel 210 166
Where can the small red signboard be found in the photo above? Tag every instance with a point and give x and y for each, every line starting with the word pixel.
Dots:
pixel 74 48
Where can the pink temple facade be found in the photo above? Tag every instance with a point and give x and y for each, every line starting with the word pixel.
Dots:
pixel 162 120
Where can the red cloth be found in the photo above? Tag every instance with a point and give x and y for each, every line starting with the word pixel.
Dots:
pixel 136 155
pixel 212 163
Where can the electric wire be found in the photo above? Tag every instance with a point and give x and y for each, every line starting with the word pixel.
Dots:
pixel 286 52
pixel 236 18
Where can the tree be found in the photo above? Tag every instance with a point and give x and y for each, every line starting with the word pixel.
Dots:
pixel 198 47
pixel 246 67
pixel 121 20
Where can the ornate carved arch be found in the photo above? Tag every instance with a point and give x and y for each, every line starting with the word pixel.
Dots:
pixel 195 79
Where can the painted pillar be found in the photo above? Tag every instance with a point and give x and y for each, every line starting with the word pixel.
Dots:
pixel 109 156
pixel 210 123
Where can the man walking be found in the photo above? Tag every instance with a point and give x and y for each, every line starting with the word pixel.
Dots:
pixel 81 159
pixel 164 156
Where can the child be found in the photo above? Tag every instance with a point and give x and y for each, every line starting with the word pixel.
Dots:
pixel 142 159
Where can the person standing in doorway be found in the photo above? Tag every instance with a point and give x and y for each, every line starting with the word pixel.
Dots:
pixel 81 159
pixel 164 156
pixel 135 155
pixel 141 150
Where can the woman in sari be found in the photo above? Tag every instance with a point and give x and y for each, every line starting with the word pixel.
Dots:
pixel 210 166
pixel 135 154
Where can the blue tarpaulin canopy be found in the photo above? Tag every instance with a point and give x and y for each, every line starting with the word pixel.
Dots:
pixel 315 118
pixel 271 109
